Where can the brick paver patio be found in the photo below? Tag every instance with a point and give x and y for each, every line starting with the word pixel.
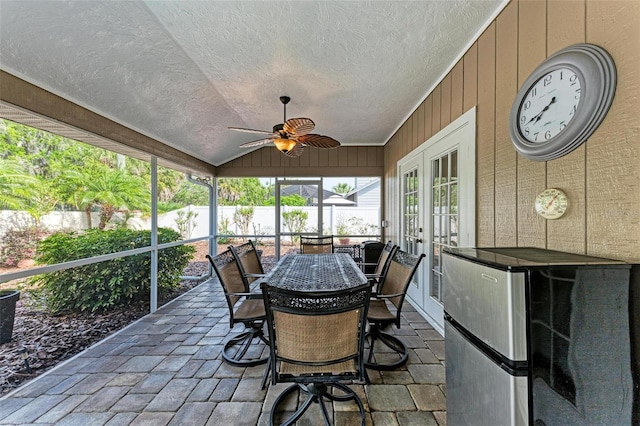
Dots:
pixel 166 369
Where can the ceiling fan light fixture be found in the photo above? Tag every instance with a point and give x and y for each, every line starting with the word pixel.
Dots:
pixel 284 145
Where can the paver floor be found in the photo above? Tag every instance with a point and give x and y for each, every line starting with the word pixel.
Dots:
pixel 166 369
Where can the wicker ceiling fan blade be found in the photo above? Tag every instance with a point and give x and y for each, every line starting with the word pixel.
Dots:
pixel 256 142
pixel 298 126
pixel 319 141
pixel 295 152
pixel 241 129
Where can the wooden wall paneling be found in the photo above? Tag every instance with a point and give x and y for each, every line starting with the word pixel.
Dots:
pixel 435 122
pixel 256 158
pixel 333 156
pixel 505 158
pixel 420 123
pixel 457 77
pixel 276 157
pixel 566 26
pixel 323 156
pixel 247 160
pixel 405 134
pixel 613 151
pixel 373 156
pixel 343 156
pixel 485 142
pixel 265 153
pixel 352 152
pixel 531 180
pixel 470 90
pixel 367 161
pixel 428 117
pixel 309 158
pixel 445 101
pixel 362 156
pixel 414 130
pixel 408 133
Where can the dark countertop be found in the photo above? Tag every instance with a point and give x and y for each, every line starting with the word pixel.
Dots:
pixel 513 258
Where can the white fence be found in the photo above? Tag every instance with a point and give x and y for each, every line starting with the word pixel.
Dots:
pixel 263 222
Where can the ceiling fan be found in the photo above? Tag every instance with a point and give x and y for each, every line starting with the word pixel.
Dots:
pixel 291 136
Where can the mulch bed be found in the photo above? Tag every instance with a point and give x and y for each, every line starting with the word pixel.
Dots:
pixel 48 340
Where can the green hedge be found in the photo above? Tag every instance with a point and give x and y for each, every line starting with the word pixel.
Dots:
pixel 110 284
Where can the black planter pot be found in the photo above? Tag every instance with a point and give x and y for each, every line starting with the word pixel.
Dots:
pixel 8 299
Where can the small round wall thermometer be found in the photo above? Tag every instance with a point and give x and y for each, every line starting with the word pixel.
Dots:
pixel 551 203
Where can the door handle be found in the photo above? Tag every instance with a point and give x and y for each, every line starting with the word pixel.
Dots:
pixel 419 240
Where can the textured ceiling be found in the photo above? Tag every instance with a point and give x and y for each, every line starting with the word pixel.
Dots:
pixel 183 71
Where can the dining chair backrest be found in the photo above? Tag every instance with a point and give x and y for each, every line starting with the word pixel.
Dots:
pixel 233 284
pixel 244 308
pixel 248 261
pixel 402 268
pixel 384 261
pixel 313 333
pixel 315 245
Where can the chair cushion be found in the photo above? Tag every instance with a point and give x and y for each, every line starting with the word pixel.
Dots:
pixel 250 309
pixel 378 311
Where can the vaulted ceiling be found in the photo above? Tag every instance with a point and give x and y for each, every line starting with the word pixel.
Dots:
pixel 182 72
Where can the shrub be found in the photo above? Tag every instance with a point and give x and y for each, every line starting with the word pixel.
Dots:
pixel 294 221
pixel 110 284
pixel 19 244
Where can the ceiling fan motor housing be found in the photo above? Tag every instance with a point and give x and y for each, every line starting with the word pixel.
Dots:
pixel 291 136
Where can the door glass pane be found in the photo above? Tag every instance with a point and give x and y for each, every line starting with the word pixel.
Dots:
pixel 444 212
pixel 411 211
pixel 454 166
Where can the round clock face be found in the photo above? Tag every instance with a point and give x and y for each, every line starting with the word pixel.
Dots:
pixel 549 105
pixel 551 203
pixel 562 102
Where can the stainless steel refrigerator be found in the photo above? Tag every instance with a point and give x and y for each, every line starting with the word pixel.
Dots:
pixel 540 337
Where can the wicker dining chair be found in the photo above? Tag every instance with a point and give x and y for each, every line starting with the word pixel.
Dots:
pixel 317 342
pixel 244 307
pixel 249 262
pixel 315 245
pixel 393 290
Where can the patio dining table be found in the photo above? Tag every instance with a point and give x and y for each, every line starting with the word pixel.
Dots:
pixel 316 272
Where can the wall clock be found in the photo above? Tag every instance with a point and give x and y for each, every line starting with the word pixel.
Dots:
pixel 562 102
pixel 551 203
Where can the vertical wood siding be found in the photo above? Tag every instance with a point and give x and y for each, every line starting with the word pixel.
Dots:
pixel 601 178
pixel 268 161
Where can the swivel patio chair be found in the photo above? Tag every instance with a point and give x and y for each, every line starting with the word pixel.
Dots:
pixel 244 307
pixel 377 277
pixel 315 245
pixel 248 262
pixel 392 291
pixel 317 342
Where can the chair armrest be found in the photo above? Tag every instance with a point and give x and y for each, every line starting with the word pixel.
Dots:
pixel 388 296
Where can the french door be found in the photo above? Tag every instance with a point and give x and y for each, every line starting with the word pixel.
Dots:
pixel 438 208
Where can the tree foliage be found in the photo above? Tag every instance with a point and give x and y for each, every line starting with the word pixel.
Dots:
pixel 242 191
pixel 342 188
pixel 15 185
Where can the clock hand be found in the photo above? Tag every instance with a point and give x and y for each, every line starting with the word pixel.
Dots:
pixel 538 116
